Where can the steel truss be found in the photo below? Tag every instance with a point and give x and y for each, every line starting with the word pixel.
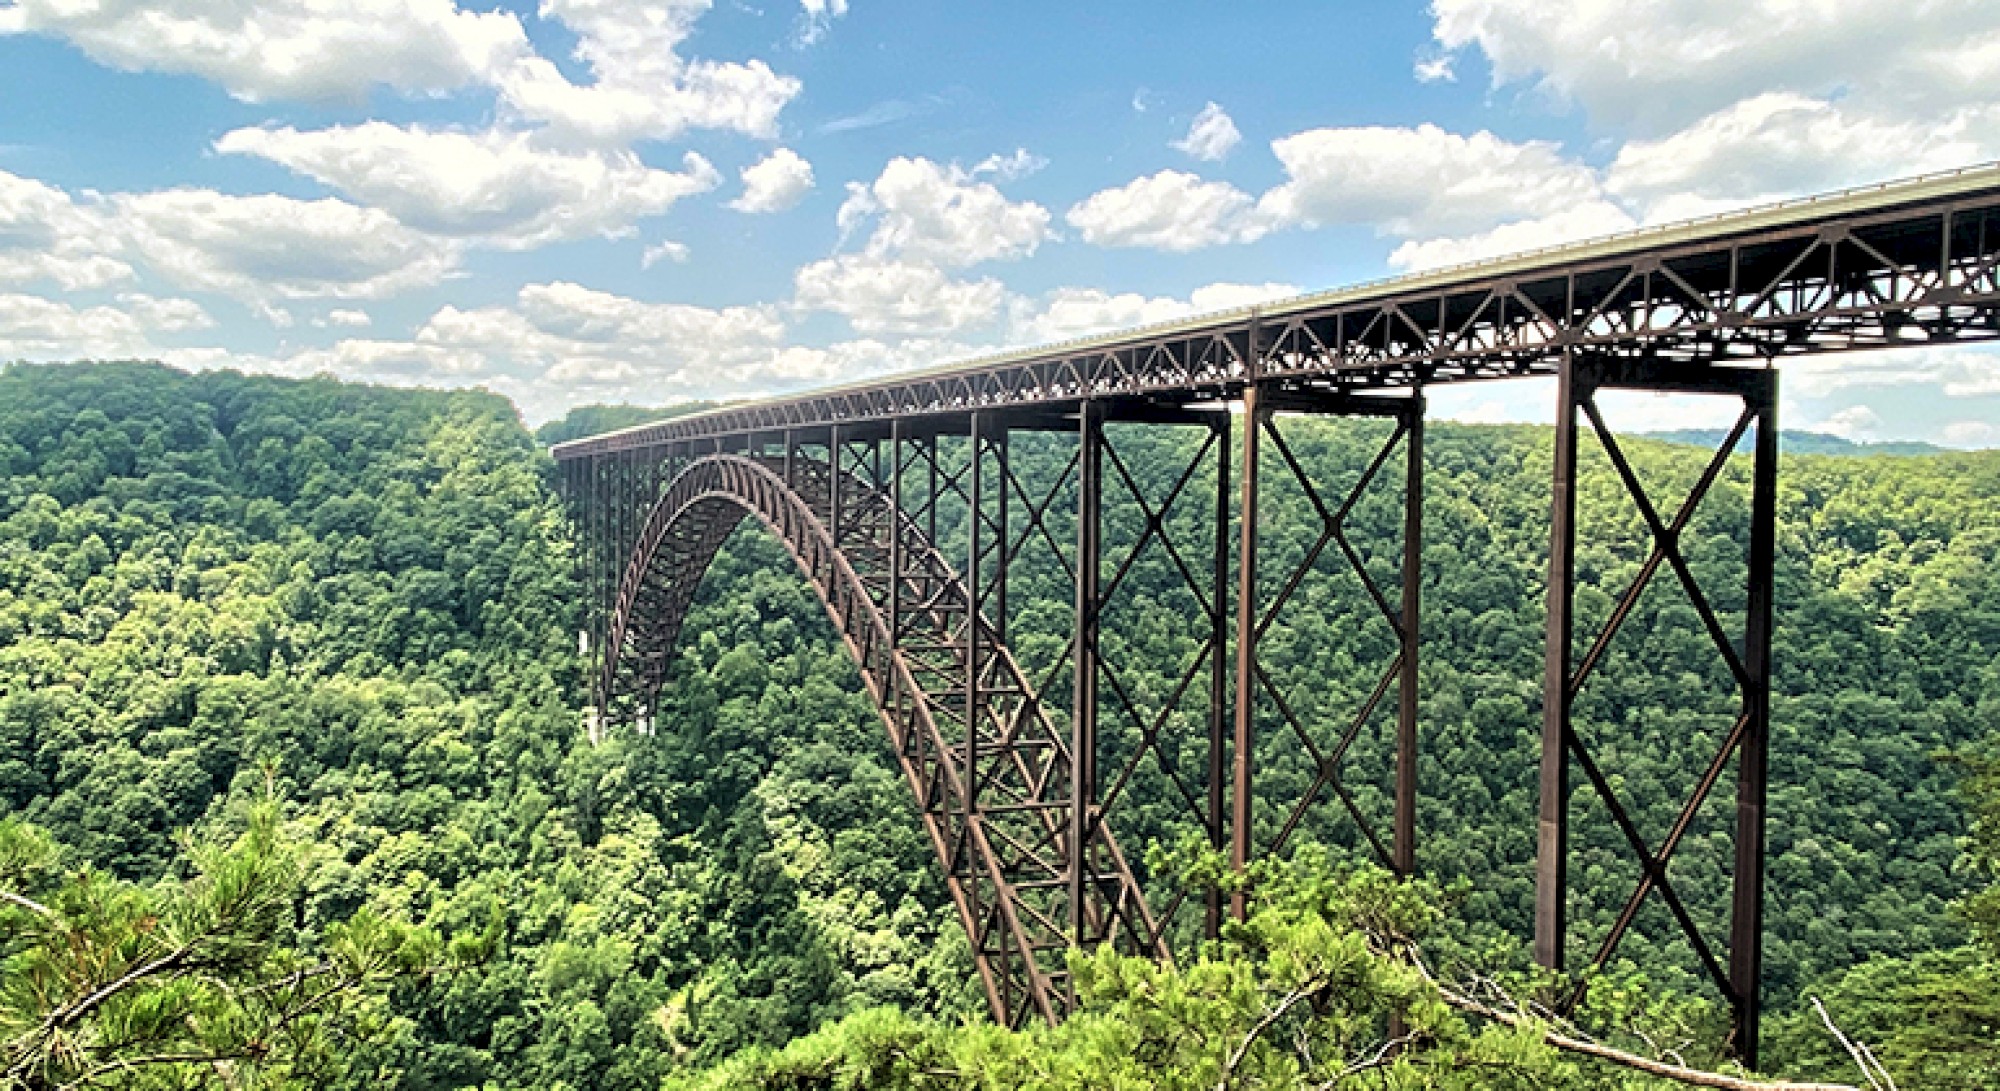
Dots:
pixel 1138 744
pixel 1019 812
pixel 1863 275
pixel 992 774
pixel 900 501
pixel 1748 666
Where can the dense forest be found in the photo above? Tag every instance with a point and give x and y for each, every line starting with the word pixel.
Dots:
pixel 296 787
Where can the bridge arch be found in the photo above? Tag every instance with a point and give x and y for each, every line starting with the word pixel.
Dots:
pixel 991 776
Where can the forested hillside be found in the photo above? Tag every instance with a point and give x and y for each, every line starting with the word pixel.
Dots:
pixel 368 591
pixel 360 601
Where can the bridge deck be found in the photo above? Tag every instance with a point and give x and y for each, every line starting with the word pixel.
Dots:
pixel 1906 262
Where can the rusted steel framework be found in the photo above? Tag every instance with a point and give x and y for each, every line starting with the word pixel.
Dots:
pixel 1746 657
pixel 991 772
pixel 900 501
pixel 1909 264
pixel 1327 747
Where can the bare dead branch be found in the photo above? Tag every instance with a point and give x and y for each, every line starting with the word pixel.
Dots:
pixel 28 904
pixel 1242 1049
pixel 1694 1077
pixel 1382 1056
pixel 1864 1058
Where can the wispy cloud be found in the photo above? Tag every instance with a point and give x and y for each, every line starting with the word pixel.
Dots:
pixel 886 112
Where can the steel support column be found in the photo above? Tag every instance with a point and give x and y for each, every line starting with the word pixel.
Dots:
pixel 1746 918
pixel 1218 674
pixel 834 486
pixel 895 534
pixel 1083 708
pixel 1005 473
pixel 974 712
pixel 1405 835
pixel 1243 743
pixel 1748 668
pixel 1552 825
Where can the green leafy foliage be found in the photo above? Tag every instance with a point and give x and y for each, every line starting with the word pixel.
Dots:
pixel 369 591
pixel 1301 994
pixel 1933 1021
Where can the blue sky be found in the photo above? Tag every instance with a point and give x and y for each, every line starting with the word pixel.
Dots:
pixel 590 200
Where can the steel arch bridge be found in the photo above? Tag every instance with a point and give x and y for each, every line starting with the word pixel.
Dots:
pixel 1016 788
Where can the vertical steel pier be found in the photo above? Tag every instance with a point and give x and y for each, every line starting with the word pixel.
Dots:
pixel 1747 657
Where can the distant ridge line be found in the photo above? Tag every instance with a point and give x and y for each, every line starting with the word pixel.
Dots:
pixel 1803 442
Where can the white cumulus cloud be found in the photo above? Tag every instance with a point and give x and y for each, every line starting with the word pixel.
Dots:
pixel 46 236
pixel 1659 66
pixel 669 250
pixel 268 247
pixel 1068 313
pixel 344 316
pixel 496 187
pixel 559 343
pixel 35 328
pixel 287 49
pixel 1856 422
pixel 1972 433
pixel 774 183
pixel 1171 210
pixel 1412 183
pixel 1960 371
pixel 923 211
pixel 1421 181
pixel 641 86
pixel 816 16
pixel 886 295
pixel 1780 144
pixel 1015 165
pixel 1585 221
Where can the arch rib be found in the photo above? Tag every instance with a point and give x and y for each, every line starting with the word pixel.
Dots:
pixel 1007 860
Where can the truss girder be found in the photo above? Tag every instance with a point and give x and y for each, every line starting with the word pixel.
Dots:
pixel 1923 275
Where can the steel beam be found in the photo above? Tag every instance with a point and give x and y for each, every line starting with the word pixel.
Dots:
pixel 1552 826
pixel 1083 708
pixel 1243 742
pixel 1746 923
